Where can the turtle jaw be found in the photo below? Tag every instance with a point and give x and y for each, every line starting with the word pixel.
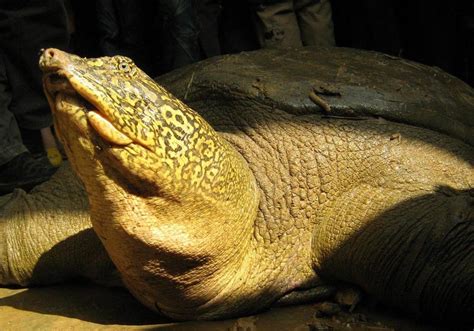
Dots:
pixel 82 130
pixel 79 126
pixel 58 79
pixel 69 110
pixel 88 136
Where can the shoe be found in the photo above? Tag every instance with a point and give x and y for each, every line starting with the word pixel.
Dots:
pixel 24 172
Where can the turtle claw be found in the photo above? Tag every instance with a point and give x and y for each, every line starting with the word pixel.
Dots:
pixel 348 297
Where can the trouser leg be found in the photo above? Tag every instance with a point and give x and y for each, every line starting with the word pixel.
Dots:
pixel 237 27
pixel 181 46
pixel 24 30
pixel 276 25
pixel 383 25
pixel 11 144
pixel 315 22
pixel 209 12
pixel 122 30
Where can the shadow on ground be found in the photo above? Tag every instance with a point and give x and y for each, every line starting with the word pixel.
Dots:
pixel 93 307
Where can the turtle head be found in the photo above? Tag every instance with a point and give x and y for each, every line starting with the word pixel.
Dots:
pixel 165 189
pixel 109 113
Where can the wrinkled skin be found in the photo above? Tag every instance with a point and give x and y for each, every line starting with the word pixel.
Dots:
pixel 47 236
pixel 386 206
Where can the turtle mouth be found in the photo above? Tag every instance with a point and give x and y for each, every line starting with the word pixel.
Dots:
pixel 56 83
pixel 57 86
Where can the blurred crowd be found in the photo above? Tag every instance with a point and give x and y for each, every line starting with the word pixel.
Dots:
pixel 162 35
pixel 432 32
pixel 165 34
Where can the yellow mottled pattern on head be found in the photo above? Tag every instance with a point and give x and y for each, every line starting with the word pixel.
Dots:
pixel 178 143
pixel 95 63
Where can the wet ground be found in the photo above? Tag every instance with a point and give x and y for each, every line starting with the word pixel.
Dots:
pixel 89 307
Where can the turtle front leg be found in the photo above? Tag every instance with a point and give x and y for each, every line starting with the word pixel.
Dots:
pixel 46 236
pixel 411 252
pixel 303 296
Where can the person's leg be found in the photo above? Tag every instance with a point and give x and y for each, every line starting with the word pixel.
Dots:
pixel 383 25
pixel 122 30
pixel 181 45
pixel 237 28
pixel 18 169
pixel 208 14
pixel 108 27
pixel 276 25
pixel 11 144
pixel 24 30
pixel 315 22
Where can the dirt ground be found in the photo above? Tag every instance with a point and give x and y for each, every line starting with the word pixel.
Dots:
pixel 89 307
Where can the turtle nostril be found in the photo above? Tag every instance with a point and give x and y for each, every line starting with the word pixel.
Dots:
pixel 50 53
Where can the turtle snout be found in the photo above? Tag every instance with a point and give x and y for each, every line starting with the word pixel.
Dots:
pixel 52 59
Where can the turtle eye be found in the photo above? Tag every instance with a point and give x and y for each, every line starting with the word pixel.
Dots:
pixel 124 66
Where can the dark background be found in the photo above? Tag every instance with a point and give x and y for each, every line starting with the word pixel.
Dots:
pixel 436 33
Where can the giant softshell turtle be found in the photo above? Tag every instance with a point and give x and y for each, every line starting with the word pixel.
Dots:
pixel 351 82
pixel 318 197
